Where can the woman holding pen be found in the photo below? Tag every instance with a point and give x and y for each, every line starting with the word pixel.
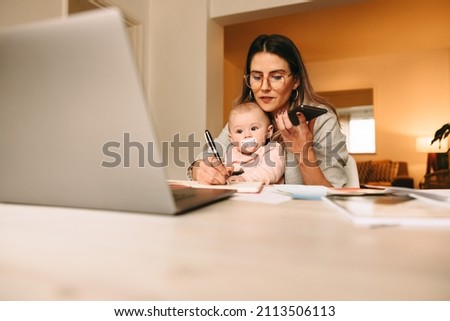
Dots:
pixel 276 79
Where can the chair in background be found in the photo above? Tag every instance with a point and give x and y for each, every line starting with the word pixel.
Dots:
pixel 384 173
pixel 438 152
pixel 436 180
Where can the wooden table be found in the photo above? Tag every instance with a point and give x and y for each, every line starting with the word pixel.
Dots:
pixel 232 250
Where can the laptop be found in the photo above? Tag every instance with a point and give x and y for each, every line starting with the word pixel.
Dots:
pixel 72 117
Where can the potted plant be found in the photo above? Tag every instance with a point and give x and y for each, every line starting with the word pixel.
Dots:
pixel 441 177
pixel 441 134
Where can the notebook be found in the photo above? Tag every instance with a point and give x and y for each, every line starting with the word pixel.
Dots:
pixel 74 123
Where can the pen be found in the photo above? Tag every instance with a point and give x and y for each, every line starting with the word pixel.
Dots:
pixel 212 146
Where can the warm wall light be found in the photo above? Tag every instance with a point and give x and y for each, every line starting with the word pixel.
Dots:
pixel 423 145
pixel 436 153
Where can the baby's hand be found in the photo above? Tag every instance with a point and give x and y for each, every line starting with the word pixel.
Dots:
pixel 236 178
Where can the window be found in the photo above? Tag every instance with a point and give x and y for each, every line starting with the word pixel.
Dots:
pixel 355 110
pixel 358 125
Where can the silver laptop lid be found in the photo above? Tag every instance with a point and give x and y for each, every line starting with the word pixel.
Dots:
pixel 70 95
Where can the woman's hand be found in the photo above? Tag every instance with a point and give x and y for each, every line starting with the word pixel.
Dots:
pixel 210 171
pixel 297 139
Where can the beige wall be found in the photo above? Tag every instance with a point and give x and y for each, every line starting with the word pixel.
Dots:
pixel 411 98
pixel 13 12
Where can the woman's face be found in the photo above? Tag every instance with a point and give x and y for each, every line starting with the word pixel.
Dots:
pixel 272 68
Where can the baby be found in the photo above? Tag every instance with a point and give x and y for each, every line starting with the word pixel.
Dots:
pixel 251 156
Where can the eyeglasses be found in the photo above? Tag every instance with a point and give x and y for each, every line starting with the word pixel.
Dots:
pixel 255 80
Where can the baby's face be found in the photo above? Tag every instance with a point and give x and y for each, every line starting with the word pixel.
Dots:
pixel 249 130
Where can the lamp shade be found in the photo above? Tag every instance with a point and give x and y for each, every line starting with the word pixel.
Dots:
pixel 423 145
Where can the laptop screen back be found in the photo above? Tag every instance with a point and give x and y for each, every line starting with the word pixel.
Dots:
pixel 74 126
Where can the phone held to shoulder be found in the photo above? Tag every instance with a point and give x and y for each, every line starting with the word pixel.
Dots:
pixel 310 112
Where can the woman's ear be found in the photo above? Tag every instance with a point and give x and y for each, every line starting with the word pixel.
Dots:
pixel 296 83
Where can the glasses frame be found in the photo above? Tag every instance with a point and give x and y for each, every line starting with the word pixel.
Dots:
pixel 247 81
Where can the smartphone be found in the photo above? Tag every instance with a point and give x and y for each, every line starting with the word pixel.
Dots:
pixel 310 112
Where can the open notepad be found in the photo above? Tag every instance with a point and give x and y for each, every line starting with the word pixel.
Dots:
pixel 240 187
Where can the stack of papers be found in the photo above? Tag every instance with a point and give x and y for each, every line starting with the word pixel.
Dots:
pixel 316 192
pixel 389 210
pixel 393 206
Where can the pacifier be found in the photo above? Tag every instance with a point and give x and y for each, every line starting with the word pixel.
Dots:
pixel 249 145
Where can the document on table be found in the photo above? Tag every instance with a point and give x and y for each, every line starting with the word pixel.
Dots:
pixel 240 187
pixel 381 206
pixel 391 209
pixel 429 195
pixel 318 191
pixel 268 195
pixel 246 191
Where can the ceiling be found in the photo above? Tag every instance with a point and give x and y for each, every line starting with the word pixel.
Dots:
pixel 229 12
pixel 356 29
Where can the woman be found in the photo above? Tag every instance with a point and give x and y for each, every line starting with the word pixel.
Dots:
pixel 276 79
